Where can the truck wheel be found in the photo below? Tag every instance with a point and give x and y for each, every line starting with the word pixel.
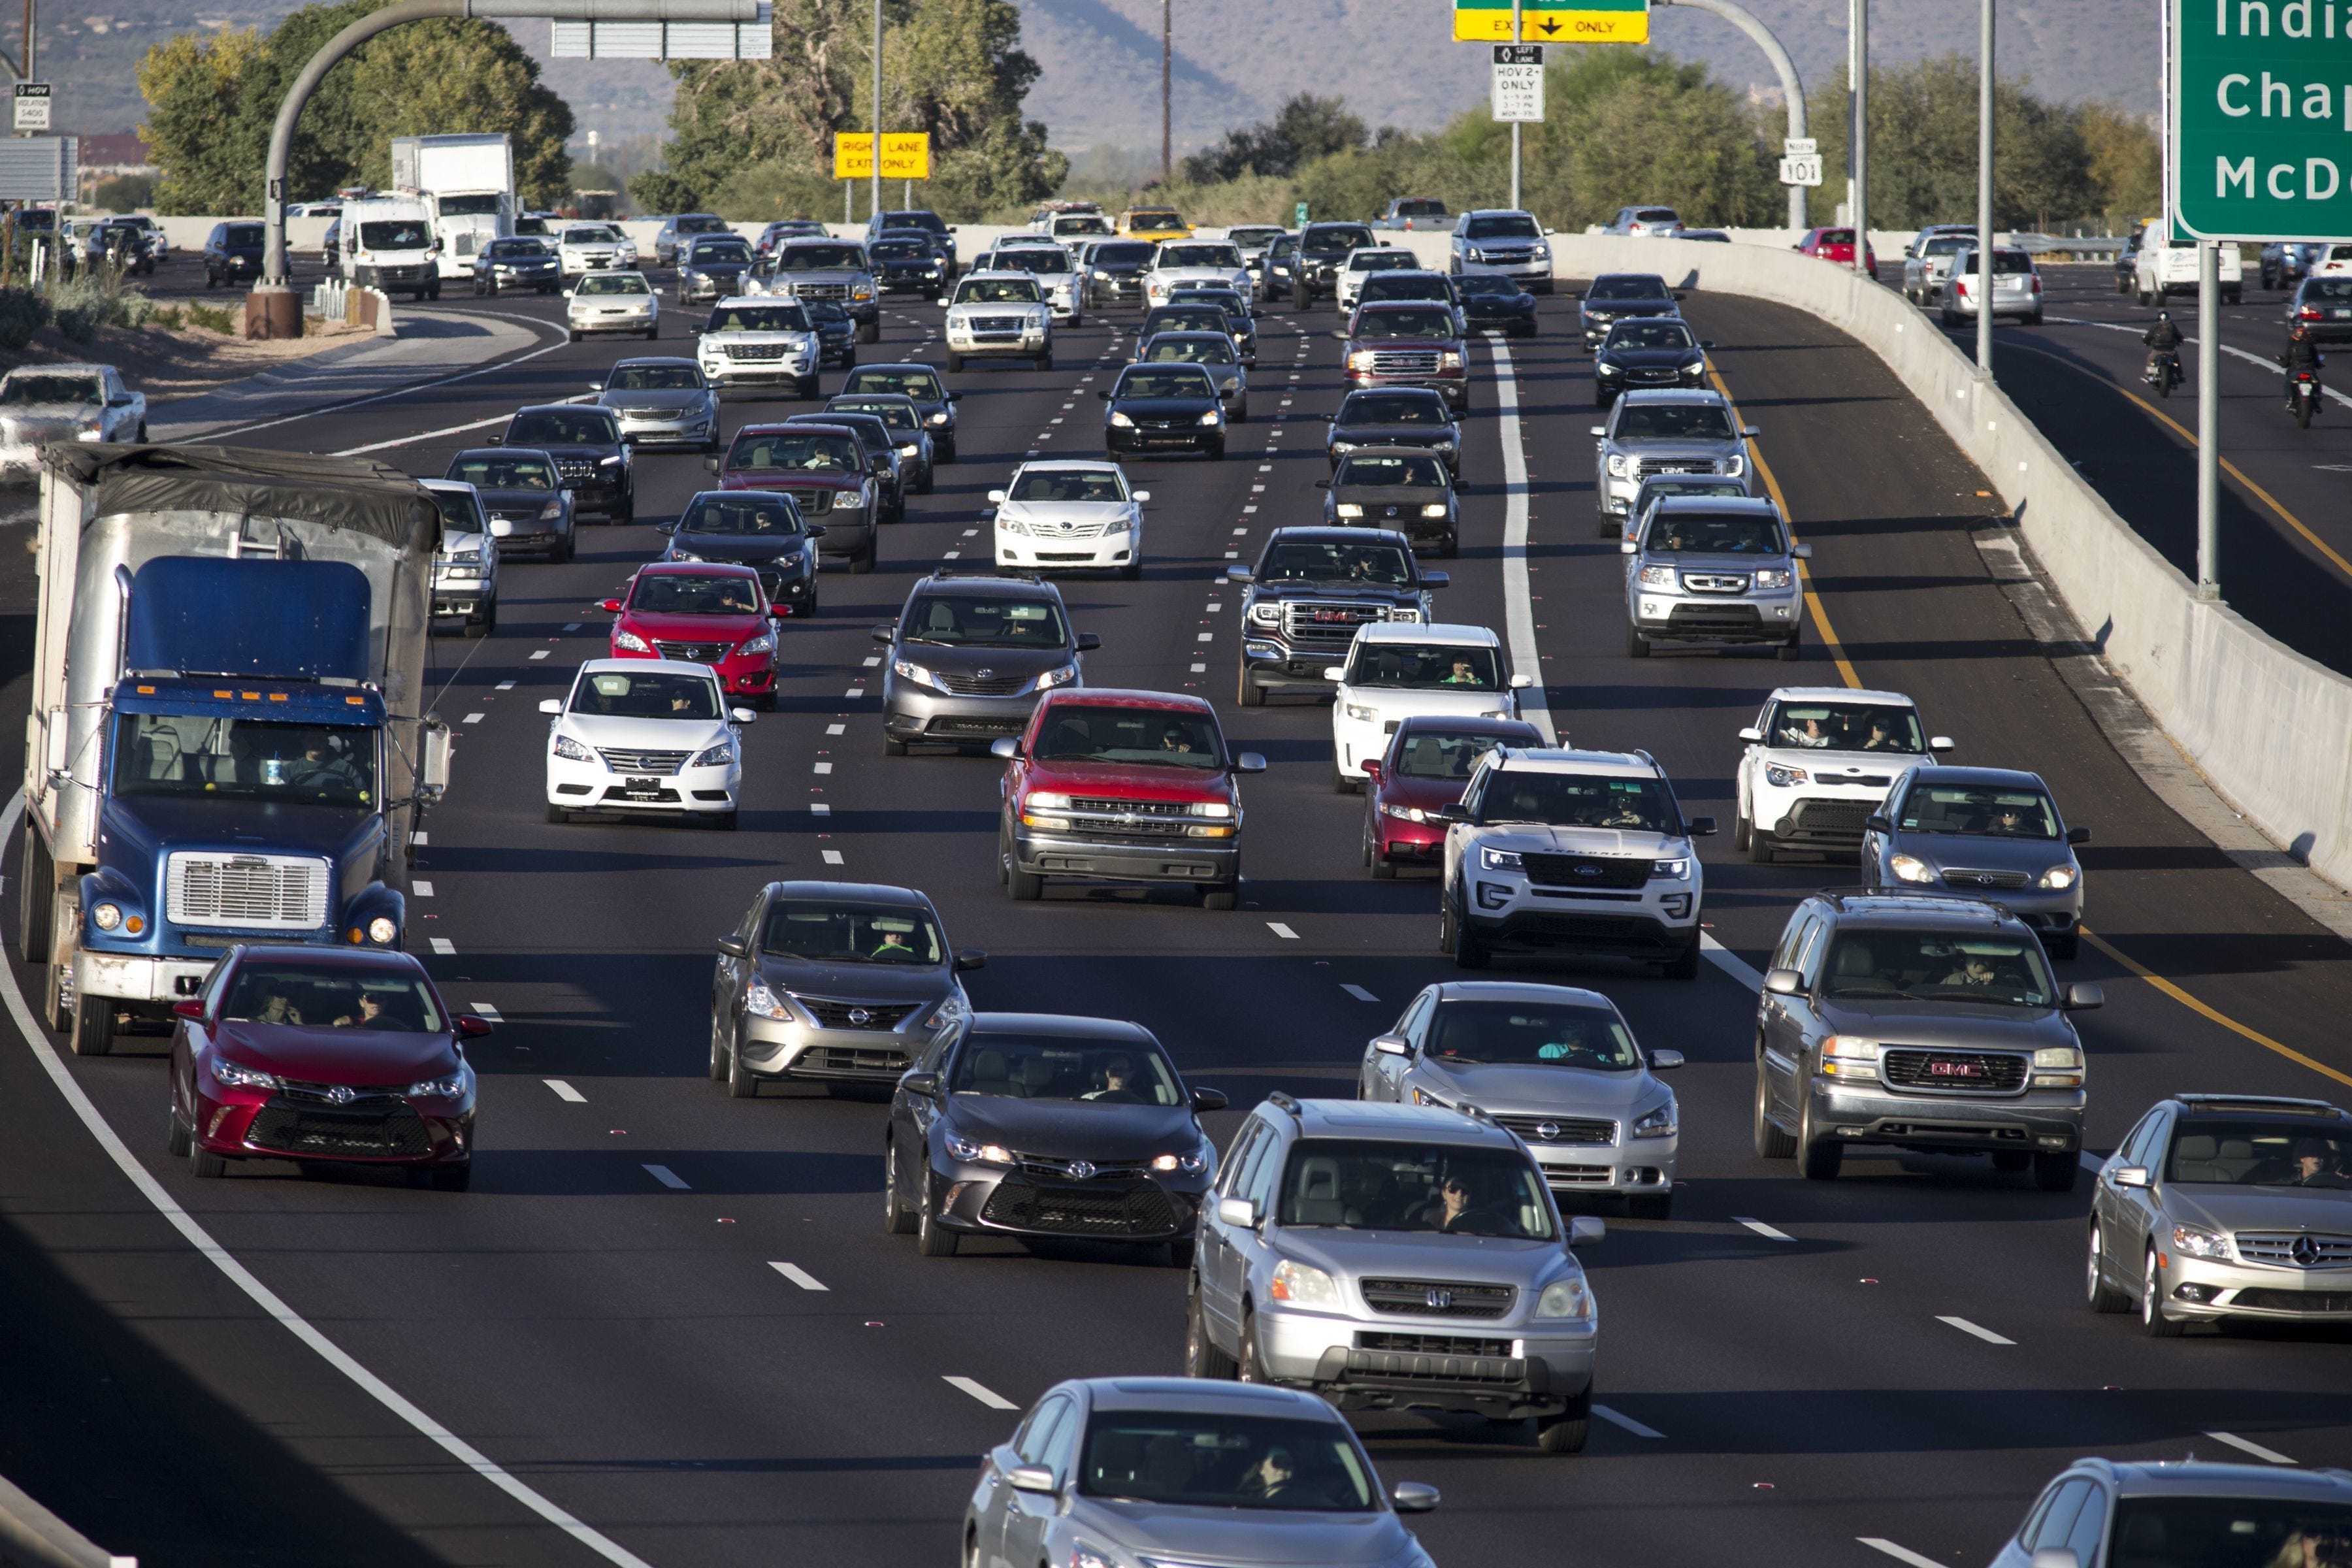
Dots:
pixel 94 1025
pixel 1818 1158
pixel 955 367
pixel 1043 362
pixel 486 623
pixel 36 898
pixel 1771 1143
pixel 1636 644
pixel 1021 886
pixel 1565 1432
pixel 870 332
pixel 2231 296
pixel 1470 950
pixel 1248 692
pixel 1793 650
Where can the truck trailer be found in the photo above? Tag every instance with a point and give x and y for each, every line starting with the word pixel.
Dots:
pixel 467 183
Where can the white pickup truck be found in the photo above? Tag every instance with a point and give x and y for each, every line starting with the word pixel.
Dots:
pixel 2169 267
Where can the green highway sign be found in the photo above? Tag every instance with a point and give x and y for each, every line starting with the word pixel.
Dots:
pixel 2258 119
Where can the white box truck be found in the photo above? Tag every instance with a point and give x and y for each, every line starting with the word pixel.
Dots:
pixel 468 182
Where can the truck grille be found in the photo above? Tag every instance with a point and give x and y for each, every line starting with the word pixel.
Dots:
pixel 259 892
pixel 832 1014
pixel 1309 626
pixel 1578 871
pixel 1406 362
pixel 1645 467
pixel 999 324
pixel 1072 1209
pixel 757 352
pixel 1970 1072
pixel 1136 807
pixel 654 765
pixel 2294 1249
pixel 1592 1131
pixel 1438 1298
pixel 818 290
pixel 692 652
pixel 1957 878
pixel 813 504
pixel 976 686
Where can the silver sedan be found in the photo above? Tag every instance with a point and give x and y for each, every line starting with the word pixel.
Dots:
pixel 663 402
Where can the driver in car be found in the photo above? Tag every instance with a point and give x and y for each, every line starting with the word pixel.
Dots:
pixel 895 947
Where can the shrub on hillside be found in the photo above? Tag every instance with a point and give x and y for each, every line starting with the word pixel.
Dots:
pixel 23 312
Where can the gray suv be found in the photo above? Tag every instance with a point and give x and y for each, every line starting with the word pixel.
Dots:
pixel 1706 569
pixel 1989 833
pixel 1930 1024
pixel 1394 1257
pixel 2129 1513
pixel 1671 431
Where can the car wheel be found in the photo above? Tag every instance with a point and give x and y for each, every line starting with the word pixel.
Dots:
pixel 2098 1294
pixel 176 1138
pixel 1683 965
pixel 1650 1206
pixel 483 625
pixel 932 1239
pixel 1043 362
pixel 1222 898
pixel 565 551
pixel 1247 1367
pixel 1383 869
pixel 453 1178
pixel 1179 1254
pixel 202 1163
pixel 1566 1432
pixel 955 366
pixel 718 1053
pixel 896 1220
pixel 946 451
pixel 1022 887
pixel 1217 451
pixel 891 748
pixel 869 333
pixel 1202 1356
pixel 575 336
pixel 2151 1302
pixel 1740 832
pixel 1636 644
pixel 1819 1158
pixel 1469 948
pixel 1760 845
pixel 721 821
pixel 742 1083
pixel 862 561
pixel 1771 1143
pixel 93 1026
pixel 2057 1171
pixel 1133 571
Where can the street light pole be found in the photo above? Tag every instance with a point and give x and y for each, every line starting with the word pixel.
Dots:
pixel 876 205
pixel 1861 136
pixel 1984 190
pixel 1167 77
pixel 1518 35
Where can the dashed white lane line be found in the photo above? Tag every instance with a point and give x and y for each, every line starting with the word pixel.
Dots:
pixel 983 1392
pixel 667 1178
pixel 1983 1333
pixel 1208 636
pixel 421 888
pixel 824 767
pixel 484 1010
pixel 872 659
pixel 565 1092
pixel 1200 670
pixel 837 729
pixel 506 686
pixel 852 693
pixel 474 718
pixel 1900 1554
pixel 2245 1445
pixel 952 556
pixel 539 653
pixel 819 808
pixel 571 625
pixel 442 945
pixel 420 839
pixel 1619 1419
pixel 798 1275
pixel 1766 1231
pixel 1284 931
pixel 1357 992
pixel 833 858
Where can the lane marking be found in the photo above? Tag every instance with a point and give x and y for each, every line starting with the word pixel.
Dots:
pixel 421 888
pixel 2209 1013
pixel 442 945
pixel 272 1306
pixel 2245 1445
pixel 1730 963
pixel 506 686
pixel 1900 1554
pixel 798 1275
pixel 667 1178
pixel 990 1398
pixel 474 718
pixel 565 1092
pixel 2092 1163
pixel 540 653
pixel 837 729
pixel 1821 627
pixel 1983 1333
pixel 1518 606
pixel 1357 992
pixel 1766 1231
pixel 1619 1419
pixel 833 858
pixel 819 808
pixel 824 767
pixel 852 694
pixel 1284 931
pixel 484 1010
pixel 1200 670
pixel 571 625
pixel 419 839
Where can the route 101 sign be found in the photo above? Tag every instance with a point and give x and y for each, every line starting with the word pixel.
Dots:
pixel 2258 119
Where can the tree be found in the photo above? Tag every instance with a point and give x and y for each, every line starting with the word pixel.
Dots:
pixel 2126 176
pixel 1628 126
pixel 1305 129
pixel 1923 147
pixel 193 83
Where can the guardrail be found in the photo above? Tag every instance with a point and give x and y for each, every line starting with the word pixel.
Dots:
pixel 2269 729
pixel 32 1537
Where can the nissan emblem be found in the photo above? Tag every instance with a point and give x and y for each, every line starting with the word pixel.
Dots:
pixel 860 1016
pixel 1548 1131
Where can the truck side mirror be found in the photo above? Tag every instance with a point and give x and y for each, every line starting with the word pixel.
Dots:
pixel 1435 579
pixel 432 767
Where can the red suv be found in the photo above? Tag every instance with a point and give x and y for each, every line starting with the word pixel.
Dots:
pixel 1124 787
pixel 1408 342
pixel 703 613
pixel 1426 768
pixel 825 471
pixel 1836 245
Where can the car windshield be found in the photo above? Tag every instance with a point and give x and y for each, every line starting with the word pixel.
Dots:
pixel 1213 347
pixel 1380 1184
pixel 1154 219
pixel 1402 286
pixel 2229 1532
pixel 1416 665
pixel 817 257
pixel 1082 226
pixel 1530 1034
pixel 1338 240
pixel 592 234
pixel 1983 813
pixel 1068 485
pixel 786 316
pixel 654 378
pixel 1183 381
pixel 1846 727
pixel 1507 226
pixel 805 451
pixel 1641 287
pixel 923 385
pixel 1388 565
pixel 613 283
pixel 1389 321
pixel 647 694
pixel 1443 754
pixel 216 757
pixel 711 252
pixel 1036 258
pixel 503 249
pixel 871 433
pixel 1394 408
pixel 991 621
pixel 997 291
pixel 899 417
pixel 1715 533
pixel 1122 253
pixel 1115 1072
pixel 503 471
pixel 1194 291
pixel 852 933
pixel 1940 965
pixel 1578 800
pixel 1085 733
pixel 388 233
pixel 695 593
pixel 1409 470
pixel 1651 334
pixel 700 223
pixel 461 509
pixel 929 221
pixel 1188 319
pixel 1673 422
pixel 1173 255
pixel 24 389
pixel 742 514
pixel 1471 283
pixel 1195 1459
pixel 2261 1154
pixel 563 428
pixel 328 996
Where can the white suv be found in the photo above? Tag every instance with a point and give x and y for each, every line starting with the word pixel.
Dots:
pixel 1059 514
pixel 1397 671
pixel 999 315
pixel 1581 852
pixel 1348 282
pixel 1819 760
pixel 760 340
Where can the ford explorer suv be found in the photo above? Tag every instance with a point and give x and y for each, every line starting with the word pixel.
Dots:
pixel 1711 570
pixel 1394 1257
pixel 1406 343
pixel 1309 591
pixel 1508 242
pixel 999 315
pixel 1682 431
pixel 970 655
pixel 1819 763
pixel 1932 1024
pixel 832 269
pixel 1122 786
pixel 1395 671
pixel 1576 852
pixel 753 341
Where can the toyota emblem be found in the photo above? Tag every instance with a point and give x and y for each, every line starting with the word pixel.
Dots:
pixel 1080 1170
pixel 1067 526
pixel 1548 1131
pixel 342 1094
pixel 861 1016
pixel 2306 1251
pixel 1439 1300
pixel 983 674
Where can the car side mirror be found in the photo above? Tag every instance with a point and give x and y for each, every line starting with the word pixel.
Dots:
pixel 941 303
pixel 1452 811
pixel 1802 552
pixel 996 497
pixel 1392 1045
pixel 1700 827
pixel 2078 836
pixel 1089 641
pixel 1005 746
pixel 1753 737
pixel 955 397
pixel 1584 1230
pixel 1784 983
pixel 1340 333
pixel 885 634
pixel 1939 743
pixel 470 1027
pixel 2083 995
pixel 1521 682
pixel 1240 574
pixel 1209 1099
pixel 922 1084
pixel 1751 431
pixel 1629 546
pixel 493 440
pixel 711 464
pixel 971 958
pixel 1322 484
pixel 1707 342
pixel 551 705
pixel 595 386
pixel 1600 429
pixel 1239 1213
pixel 1103 393
pixel 1030 1479
pixel 1877 823
pixel 1335 672
pixel 1372 769
pixel 1141 496
pixel 2131 1176
pixel 1666 1061
pixel 189 1008
pixel 816 531
pixel 1249 762
pixel 1413 1497
pixel 1436 579
pixel 665 528
pixel 734 947
pixel 611 606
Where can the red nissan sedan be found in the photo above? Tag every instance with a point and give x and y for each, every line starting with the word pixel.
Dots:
pixel 703 613
pixel 1427 767
pixel 329 1054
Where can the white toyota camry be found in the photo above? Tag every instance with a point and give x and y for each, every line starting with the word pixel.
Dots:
pixel 1070 515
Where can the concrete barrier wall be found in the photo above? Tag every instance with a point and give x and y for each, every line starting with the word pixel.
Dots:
pixel 2271 730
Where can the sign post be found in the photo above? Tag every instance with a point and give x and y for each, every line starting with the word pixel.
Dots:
pixel 32 101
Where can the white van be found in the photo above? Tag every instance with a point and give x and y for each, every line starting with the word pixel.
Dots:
pixel 2169 267
pixel 388 243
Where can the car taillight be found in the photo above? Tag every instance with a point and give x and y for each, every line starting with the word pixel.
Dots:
pixel 2037 284
pixel 2310 313
pixel 1961 284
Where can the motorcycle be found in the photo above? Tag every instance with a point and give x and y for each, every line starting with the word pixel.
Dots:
pixel 2305 397
pixel 2163 373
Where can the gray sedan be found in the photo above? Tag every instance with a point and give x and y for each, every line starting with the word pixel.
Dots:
pixel 661 401
pixel 1981 833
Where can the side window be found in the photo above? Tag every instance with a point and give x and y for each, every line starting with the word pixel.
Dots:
pixel 1416 1016
pixel 2058 1521
pixel 2145 1144
pixel 1810 950
pixel 1266 1169
pixel 1793 939
pixel 1237 1157
pixel 1062 1446
pixel 2090 1525
pixel 1036 1435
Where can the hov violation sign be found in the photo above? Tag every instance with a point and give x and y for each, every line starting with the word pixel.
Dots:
pixel 32 99
pixel 906 155
pixel 2258 119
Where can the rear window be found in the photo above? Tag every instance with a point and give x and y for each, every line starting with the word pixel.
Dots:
pixel 1511 225
pixel 2002 262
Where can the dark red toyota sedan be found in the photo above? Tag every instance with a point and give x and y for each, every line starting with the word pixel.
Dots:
pixel 1428 765
pixel 323 1053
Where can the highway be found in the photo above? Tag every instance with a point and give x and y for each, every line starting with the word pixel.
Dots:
pixel 674 1318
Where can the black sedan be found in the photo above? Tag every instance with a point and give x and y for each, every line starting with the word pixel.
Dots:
pixel 1399 489
pixel 920 383
pixel 517 264
pixel 2322 307
pixel 1396 417
pixel 1494 302
pixel 1035 1125
pixel 585 442
pixel 1164 408
pixel 1615 296
pixel 713 266
pixel 836 332
pixel 759 529
pixel 1647 351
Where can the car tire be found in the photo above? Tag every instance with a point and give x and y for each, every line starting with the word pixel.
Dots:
pixel 1650 1206
pixel 2098 1294
pixel 944 452
pixel 202 1163
pixel 1771 1142
pixel 2057 1171
pixel 1566 1432
pixel 1636 644
pixel 1791 651
pixel 932 1239
pixel 1383 869
pixel 1760 845
pixel 483 625
pixel 1224 897
pixel 1248 692
pixel 2229 296
pixel 721 821
pixel 1216 451
pixel 565 551
pixel 717 1054
pixel 804 388
pixel 2151 1302
pixel 573 336
pixel 896 1219
pixel 93 1026
pixel 1470 950
pixel 1740 832
pixel 869 331
pixel 1342 785
pixel 862 561
pixel 1683 965
pixel 955 367
pixel 176 1138
pixel 891 748
pixel 1818 1158
pixel 454 1178
pixel 1021 886
pixel 1202 1356
pixel 1247 1367
pixel 742 1083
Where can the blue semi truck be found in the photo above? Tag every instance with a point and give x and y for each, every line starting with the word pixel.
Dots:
pixel 228 741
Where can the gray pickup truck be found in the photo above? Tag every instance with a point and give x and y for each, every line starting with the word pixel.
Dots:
pixel 833 269
pixel 1415 213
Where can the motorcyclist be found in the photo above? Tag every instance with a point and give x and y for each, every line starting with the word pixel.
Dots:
pixel 2301 355
pixel 2163 341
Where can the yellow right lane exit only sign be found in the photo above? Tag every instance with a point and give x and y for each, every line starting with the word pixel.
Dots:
pixel 1553 21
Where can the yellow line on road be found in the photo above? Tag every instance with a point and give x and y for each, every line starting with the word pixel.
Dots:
pixel 2206 1011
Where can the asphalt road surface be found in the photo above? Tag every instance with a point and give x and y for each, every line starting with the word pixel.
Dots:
pixel 1792 1371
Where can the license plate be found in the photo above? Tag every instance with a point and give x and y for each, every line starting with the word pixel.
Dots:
pixel 1957 1069
pixel 2339 315
pixel 642 789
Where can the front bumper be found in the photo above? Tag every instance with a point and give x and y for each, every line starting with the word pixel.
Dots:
pixel 1401 841
pixel 1641 927
pixel 1213 862
pixel 1669 614
pixel 1189 438
pixel 913 712
pixel 592 786
pixel 739 675
pixel 1637 1167
pixel 464 598
pixel 1049 553
pixel 1810 816
pixel 141 977
pixel 1454 383
pixel 782 1047
pixel 630 321
pixel 1395 1362
pixel 374 1130
pixel 684 428
pixel 1268 663
pixel 514 278
pixel 2206 1290
pixel 723 371
pixel 1027 344
pixel 2040 1120
pixel 1022 1202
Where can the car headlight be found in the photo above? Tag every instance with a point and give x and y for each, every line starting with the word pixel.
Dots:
pixel 1361 360
pixel 1062 677
pixel 762 1003
pixel 1605 368
pixel 1422 1096
pixel 1674 870
pixel 964 1149
pixel 1361 714
pixel 1499 859
pixel 911 449
pixel 1212 417
pixel 678 554
pixel 1344 446
pixel 631 641
pixel 1434 509
pixel 1773 577
pixel 1404 812
pixel 1085 1556
pixel 1191 1164
pixel 1443 445
pixel 1658 1123
pixel 1779 776
pixel 764 643
pixel 2196 1243
pixel 1349 508
pixel 938 418
pixel 106 917
pixel 450 1086
pixel 551 511
pixel 1911 868
pixel 954 1010
pixel 572 750
pixel 1693 366
pixel 719 756
pixel 1121 420
pixel 236 1075
pixel 1735 465
pixel 608 462
pixel 1655 577
pixel 2060 877
pixel 1617 465
pixel 1303 1285
pixel 1566 1300
pixel 907 670
pixel 1012 525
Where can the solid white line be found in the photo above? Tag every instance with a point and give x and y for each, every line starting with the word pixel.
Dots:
pixel 798 1275
pixel 2268 1455
pixel 333 1355
pixel 1357 992
pixel 981 1392
pixel 421 888
pixel 1518 608
pixel 565 1092
pixel 667 1178
pixel 1900 1554
pixel 1284 931
pixel 442 945
pixel 404 392
pixel 1760 1228
pixel 1968 1328
pixel 1618 1418
pixel 1723 958
pixel 484 1010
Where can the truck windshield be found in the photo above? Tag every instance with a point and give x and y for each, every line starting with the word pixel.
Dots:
pixel 1223 255
pixel 1673 422
pixel 1512 226
pixel 1577 800
pixel 817 257
pixel 461 511
pixel 1383 566
pixel 32 389
pixel 391 234
pixel 242 759
pixel 1425 666
pixel 1090 732
pixel 483 206
pixel 1373 326
pixel 998 292
pixel 811 453
pixel 1940 965
pixel 1414 407
pixel 783 318
pixel 329 996
pixel 1385 1185
pixel 2229 1531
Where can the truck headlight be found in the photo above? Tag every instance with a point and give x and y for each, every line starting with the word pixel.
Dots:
pixel 551 511
pixel 1449 360
pixel 1267 615
pixel 1911 868
pixel 1434 509
pixel 1773 577
pixel 1044 800
pixel 1361 360
pixel 1617 465
pixel 2060 877
pixel 1349 508
pixel 1303 1285
pixel 1658 1123
pixel 572 750
pixel 106 917
pixel 1735 465
pixel 1850 1048
pixel 1499 859
pixel 383 931
pixel 1674 871
pixel 1569 1301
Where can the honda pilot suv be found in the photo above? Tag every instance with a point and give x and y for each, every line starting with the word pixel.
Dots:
pixel 1819 763
pixel 1394 1257
pixel 1713 570
pixel 1303 600
pixel 1930 1024
pixel 1677 431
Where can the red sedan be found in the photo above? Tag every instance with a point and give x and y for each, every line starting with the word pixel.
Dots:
pixel 335 1053
pixel 1428 765
pixel 1836 245
pixel 704 612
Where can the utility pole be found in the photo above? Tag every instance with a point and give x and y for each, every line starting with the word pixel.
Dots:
pixel 1167 78
pixel 1518 36
pixel 876 206
pixel 1984 190
pixel 2209 419
pixel 1860 84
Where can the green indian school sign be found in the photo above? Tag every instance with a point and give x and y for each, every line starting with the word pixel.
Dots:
pixel 2258 111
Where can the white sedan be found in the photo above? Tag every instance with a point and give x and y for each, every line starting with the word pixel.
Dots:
pixel 44 403
pixel 611 302
pixel 645 735
pixel 1057 516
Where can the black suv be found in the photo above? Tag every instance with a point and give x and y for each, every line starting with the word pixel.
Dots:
pixel 590 456
pixel 920 383
pixel 1312 588
pixel 233 255
pixel 1322 250
pixel 971 654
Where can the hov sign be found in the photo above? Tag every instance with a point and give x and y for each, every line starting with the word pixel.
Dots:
pixel 2258 119
pixel 1518 83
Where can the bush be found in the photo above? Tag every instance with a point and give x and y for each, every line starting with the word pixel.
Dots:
pixel 169 317
pixel 125 192
pixel 212 318
pixel 23 312
pixel 96 297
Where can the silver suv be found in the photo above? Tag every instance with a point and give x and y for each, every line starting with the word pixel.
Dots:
pixel 1681 430
pixel 1395 1256
pixel 1707 569
pixel 2130 1513
pixel 1930 1024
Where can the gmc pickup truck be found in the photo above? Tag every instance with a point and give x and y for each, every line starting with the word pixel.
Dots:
pixel 1310 591
pixel 1415 213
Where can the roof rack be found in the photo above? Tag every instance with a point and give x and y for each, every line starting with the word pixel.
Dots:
pixel 1282 1100
pixel 1838 896
pixel 2264 1104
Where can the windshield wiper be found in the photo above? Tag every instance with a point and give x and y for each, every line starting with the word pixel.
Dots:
pixel 1971 994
